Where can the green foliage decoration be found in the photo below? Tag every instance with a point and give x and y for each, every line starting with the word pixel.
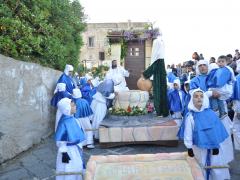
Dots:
pixel 47 32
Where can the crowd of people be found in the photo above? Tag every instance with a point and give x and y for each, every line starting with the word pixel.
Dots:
pixel 82 104
pixel 204 100
pixel 201 95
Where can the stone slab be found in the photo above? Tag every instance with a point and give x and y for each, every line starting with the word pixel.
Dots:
pixel 162 166
pixel 164 131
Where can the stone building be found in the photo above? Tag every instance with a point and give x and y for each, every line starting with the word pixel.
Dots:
pixel 130 43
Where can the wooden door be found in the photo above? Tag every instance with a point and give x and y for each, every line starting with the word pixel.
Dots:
pixel 135 62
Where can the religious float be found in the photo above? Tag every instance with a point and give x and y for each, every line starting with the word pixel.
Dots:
pixel 131 121
pixel 162 166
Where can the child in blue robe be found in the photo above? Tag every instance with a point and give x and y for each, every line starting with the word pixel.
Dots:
pixel 59 94
pixel 175 99
pixel 67 79
pixel 84 115
pixel 186 98
pixel 69 137
pixel 221 80
pixel 203 134
pixel 88 90
pixel 105 92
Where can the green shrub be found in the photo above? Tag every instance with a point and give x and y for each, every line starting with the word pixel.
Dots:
pixel 47 32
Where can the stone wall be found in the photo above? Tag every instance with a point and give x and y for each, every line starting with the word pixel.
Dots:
pixel 25 113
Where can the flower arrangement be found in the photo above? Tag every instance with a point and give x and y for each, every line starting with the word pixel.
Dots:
pixel 150 107
pixel 132 111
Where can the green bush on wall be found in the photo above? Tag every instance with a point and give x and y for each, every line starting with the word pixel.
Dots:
pixel 47 32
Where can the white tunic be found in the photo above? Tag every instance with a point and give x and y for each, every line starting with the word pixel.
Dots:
pixel 236 125
pixel 118 76
pixel 86 125
pixel 74 165
pixel 201 154
pixel 99 108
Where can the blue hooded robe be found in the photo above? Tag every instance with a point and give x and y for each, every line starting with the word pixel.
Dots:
pixel 58 96
pixel 83 109
pixel 199 82
pixel 88 92
pixel 217 78
pixel 68 81
pixel 175 103
pixel 69 130
pixel 208 132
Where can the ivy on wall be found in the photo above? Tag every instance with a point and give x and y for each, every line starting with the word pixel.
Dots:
pixel 124 49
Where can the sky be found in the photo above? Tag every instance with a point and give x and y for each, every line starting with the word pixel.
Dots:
pixel 210 27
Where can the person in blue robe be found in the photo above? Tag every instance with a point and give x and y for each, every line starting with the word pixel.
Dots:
pixel 66 78
pixel 84 116
pixel 221 80
pixel 59 94
pixel 186 98
pixel 69 137
pixel 199 81
pixel 170 76
pixel 203 133
pixel 83 81
pixel 105 92
pixel 88 90
pixel 175 99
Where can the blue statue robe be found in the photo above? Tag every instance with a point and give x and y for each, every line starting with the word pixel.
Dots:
pixel 83 109
pixel 236 89
pixel 199 82
pixel 217 78
pixel 58 96
pixel 175 103
pixel 68 81
pixel 69 130
pixel 208 132
pixel 106 88
pixel 88 92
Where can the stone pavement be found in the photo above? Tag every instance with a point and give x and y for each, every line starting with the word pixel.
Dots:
pixel 39 161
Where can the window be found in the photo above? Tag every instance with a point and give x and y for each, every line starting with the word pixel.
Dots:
pixel 91 41
pixel 134 52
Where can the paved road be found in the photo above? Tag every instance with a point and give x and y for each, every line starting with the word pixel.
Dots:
pixel 39 162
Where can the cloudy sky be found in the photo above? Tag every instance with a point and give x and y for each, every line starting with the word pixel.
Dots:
pixel 211 27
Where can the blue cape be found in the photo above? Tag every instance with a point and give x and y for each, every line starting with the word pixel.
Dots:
pixel 199 82
pixel 175 103
pixel 208 132
pixel 68 81
pixel 218 77
pixel 83 81
pixel 69 130
pixel 83 109
pixel 58 96
pixel 88 92
pixel 186 101
pixel 106 87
